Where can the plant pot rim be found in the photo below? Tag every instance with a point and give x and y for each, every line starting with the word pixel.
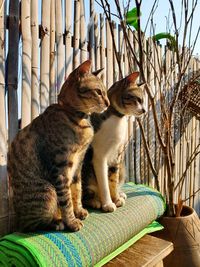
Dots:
pixel 186 211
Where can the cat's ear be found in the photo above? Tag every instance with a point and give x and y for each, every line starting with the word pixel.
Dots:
pixel 97 71
pixel 85 67
pixel 131 78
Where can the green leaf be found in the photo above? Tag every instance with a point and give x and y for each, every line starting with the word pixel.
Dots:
pixel 165 35
pixel 132 18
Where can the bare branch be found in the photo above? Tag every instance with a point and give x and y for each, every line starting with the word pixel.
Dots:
pixel 188 164
pixel 184 200
pixel 148 154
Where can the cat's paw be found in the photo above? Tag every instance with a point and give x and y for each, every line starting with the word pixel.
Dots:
pixel 93 203
pixel 81 213
pixel 74 225
pixel 96 204
pixel 110 207
pixel 56 225
pixel 123 195
pixel 60 226
pixel 119 202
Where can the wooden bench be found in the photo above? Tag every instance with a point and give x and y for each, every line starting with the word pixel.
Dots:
pixel 149 251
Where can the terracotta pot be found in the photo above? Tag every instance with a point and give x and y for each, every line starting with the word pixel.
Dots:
pixel 184 232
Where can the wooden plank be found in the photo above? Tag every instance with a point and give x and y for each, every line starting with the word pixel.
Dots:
pixel 3 132
pixel 147 252
pixel 35 102
pixel 12 68
pixel 83 40
pixel 52 78
pixel 76 55
pixel 68 37
pixel 60 52
pixel 45 58
pixel 26 61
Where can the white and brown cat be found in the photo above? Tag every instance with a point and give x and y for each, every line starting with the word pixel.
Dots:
pixel 103 170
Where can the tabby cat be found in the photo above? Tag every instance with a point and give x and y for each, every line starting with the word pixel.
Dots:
pixel 45 158
pixel 103 171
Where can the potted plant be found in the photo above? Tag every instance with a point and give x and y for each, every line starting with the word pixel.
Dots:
pixel 169 107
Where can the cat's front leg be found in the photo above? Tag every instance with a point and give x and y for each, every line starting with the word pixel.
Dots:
pixel 63 190
pixel 76 190
pixel 101 172
pixel 116 196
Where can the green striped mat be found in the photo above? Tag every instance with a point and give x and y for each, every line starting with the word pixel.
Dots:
pixel 103 236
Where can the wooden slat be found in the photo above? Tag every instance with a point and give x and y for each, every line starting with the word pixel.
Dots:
pixel 26 61
pixel 115 64
pixel 45 58
pixel 97 43
pixel 109 62
pixel 3 132
pixel 147 252
pixel 12 68
pixel 102 48
pixel 60 52
pixel 137 129
pixel 91 33
pixel 121 48
pixel 76 55
pixel 52 71
pixel 68 37
pixel 35 102
pixel 83 40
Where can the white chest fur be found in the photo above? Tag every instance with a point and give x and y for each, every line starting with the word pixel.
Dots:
pixel 111 136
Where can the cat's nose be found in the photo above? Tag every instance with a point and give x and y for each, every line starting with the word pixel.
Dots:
pixel 107 102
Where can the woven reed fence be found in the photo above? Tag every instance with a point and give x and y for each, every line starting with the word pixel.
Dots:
pixel 32 71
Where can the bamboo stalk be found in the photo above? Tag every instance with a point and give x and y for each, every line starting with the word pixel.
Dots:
pixel 53 94
pixel 96 37
pixel 83 40
pixel 12 68
pixel 76 56
pixel 102 48
pixel 91 32
pixel 35 102
pixel 109 62
pixel 3 132
pixel 45 51
pixel 26 61
pixel 137 158
pixel 121 47
pixel 115 64
pixel 60 46
pixel 68 37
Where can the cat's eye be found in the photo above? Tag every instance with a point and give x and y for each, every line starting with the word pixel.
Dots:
pixel 83 90
pixel 139 100
pixel 130 97
pixel 98 91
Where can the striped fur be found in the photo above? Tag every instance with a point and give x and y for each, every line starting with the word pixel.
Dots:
pixel 103 171
pixel 45 158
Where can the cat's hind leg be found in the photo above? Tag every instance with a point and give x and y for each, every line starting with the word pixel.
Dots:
pixel 117 198
pixel 38 209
